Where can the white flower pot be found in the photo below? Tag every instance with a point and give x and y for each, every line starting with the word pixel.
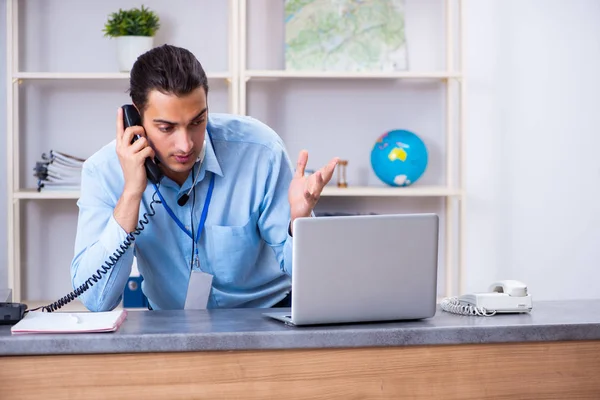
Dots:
pixel 129 48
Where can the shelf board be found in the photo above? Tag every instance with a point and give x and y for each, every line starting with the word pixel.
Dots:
pixel 388 191
pixel 252 74
pixel 94 75
pixel 46 194
pixel 328 191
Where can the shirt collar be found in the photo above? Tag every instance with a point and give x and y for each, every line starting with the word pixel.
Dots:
pixel 210 163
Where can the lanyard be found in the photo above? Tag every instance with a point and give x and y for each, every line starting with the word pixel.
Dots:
pixel 202 217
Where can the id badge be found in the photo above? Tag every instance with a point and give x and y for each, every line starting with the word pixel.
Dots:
pixel 198 290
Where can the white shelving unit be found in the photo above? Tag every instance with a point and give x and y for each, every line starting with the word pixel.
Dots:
pixel 237 78
pixel 452 192
pixel 15 77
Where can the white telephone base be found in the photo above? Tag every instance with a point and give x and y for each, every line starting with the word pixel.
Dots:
pixel 498 302
pixel 505 297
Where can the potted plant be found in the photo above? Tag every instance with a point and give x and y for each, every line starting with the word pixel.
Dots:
pixel 134 30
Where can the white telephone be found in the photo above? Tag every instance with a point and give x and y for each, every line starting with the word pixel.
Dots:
pixel 508 296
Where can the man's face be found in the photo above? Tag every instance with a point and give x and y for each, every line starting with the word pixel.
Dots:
pixel 175 128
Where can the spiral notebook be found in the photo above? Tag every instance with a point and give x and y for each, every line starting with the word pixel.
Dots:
pixel 73 322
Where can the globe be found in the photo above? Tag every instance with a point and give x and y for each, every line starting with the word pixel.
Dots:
pixel 399 157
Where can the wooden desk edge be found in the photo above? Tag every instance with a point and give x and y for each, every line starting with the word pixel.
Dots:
pixel 549 370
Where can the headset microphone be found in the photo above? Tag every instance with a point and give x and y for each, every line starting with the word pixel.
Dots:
pixel 182 201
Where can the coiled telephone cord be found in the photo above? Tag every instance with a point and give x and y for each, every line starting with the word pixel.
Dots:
pixel 108 264
pixel 452 305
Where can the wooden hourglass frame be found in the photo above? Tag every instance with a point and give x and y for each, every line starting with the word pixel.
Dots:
pixel 341 173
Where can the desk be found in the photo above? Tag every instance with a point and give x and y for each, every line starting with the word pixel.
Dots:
pixel 552 353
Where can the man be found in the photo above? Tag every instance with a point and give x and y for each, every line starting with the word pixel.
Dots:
pixel 242 198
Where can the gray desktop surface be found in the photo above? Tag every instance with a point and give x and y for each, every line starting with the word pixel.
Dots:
pixel 249 329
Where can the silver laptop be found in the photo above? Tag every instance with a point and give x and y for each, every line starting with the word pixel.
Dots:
pixel 363 268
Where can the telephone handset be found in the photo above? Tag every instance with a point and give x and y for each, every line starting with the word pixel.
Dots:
pixel 507 296
pixel 131 117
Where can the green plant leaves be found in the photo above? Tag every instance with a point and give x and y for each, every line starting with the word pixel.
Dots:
pixel 134 22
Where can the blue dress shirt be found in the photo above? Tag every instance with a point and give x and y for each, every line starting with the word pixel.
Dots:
pixel 245 243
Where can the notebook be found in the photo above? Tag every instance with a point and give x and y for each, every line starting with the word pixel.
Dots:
pixel 65 322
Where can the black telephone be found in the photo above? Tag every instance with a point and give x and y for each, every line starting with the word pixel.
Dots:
pixel 131 117
pixel 13 312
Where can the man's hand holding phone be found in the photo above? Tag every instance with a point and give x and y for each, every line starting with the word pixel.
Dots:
pixel 132 156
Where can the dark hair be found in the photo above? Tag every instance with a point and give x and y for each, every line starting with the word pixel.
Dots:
pixel 168 69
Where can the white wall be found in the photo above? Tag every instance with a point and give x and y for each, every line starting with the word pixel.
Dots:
pixel 533 138
pixel 531 128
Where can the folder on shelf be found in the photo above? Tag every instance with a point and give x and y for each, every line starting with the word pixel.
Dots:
pixel 59 171
pixel 69 322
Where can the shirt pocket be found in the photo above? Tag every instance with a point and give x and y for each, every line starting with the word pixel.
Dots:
pixel 234 251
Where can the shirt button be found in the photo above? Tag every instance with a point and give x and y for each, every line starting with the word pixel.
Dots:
pixel 187 227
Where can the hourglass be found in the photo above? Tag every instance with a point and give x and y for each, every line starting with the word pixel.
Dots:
pixel 341 173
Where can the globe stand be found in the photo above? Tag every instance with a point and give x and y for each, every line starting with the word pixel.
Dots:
pixel 341 173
